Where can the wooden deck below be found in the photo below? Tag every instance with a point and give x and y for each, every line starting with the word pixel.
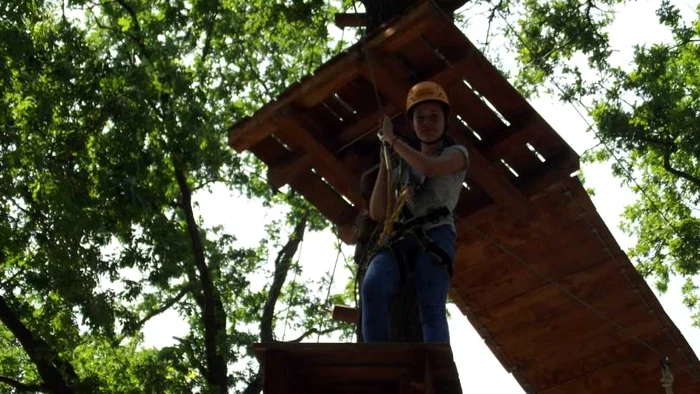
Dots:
pixel 345 368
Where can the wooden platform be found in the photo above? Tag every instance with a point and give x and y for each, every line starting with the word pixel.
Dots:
pixel 538 274
pixel 302 368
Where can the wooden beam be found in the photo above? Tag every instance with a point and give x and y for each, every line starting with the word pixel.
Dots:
pixel 346 233
pixel 559 169
pixel 501 190
pixel 408 27
pixel 279 175
pixel 282 174
pixel 387 83
pixel 362 126
pixel 297 132
pixel 346 19
pixel 345 313
pixel 332 76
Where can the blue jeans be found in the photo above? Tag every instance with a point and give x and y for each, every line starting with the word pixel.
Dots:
pixel 432 282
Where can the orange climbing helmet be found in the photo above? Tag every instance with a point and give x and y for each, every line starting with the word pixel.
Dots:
pixel 426 91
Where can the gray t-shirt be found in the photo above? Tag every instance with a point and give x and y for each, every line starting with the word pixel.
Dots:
pixel 437 191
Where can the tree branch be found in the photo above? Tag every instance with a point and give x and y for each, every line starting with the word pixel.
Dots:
pixel 50 366
pixel 314 331
pixel 22 387
pixel 283 263
pixel 213 317
pixel 206 50
pixel 166 305
pixel 255 385
pixel 667 165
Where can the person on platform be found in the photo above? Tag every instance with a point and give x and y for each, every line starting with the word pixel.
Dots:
pixel 422 236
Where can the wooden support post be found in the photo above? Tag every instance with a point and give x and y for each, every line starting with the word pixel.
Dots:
pixel 275 373
pixel 429 382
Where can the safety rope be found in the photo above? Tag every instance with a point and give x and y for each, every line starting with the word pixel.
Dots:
pixel 391 217
pixel 392 212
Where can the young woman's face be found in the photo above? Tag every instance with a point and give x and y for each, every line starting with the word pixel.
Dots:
pixel 428 121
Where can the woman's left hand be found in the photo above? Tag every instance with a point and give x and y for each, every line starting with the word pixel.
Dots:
pixel 388 130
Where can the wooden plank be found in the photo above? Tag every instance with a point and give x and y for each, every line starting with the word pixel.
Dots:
pixel 624 377
pixel 347 19
pixel 471 250
pixel 365 125
pixel 421 58
pixel 495 281
pixel 357 95
pixel 325 199
pixel 547 373
pixel 471 109
pixel 549 213
pixel 391 84
pixel 408 27
pixel 474 204
pixel 281 174
pixel 392 354
pixel 345 313
pixel 557 169
pixel 578 332
pixel 547 302
pixel 270 151
pixel 530 128
pixel 293 130
pixel 481 74
pixel 324 117
pixel 501 190
pixel 343 374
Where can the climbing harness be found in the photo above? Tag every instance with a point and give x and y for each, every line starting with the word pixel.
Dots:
pixel 399 221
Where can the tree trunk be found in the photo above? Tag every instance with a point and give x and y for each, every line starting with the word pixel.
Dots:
pixel 214 316
pixel 51 367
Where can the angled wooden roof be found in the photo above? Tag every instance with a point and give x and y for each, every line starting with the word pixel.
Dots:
pixel 538 273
